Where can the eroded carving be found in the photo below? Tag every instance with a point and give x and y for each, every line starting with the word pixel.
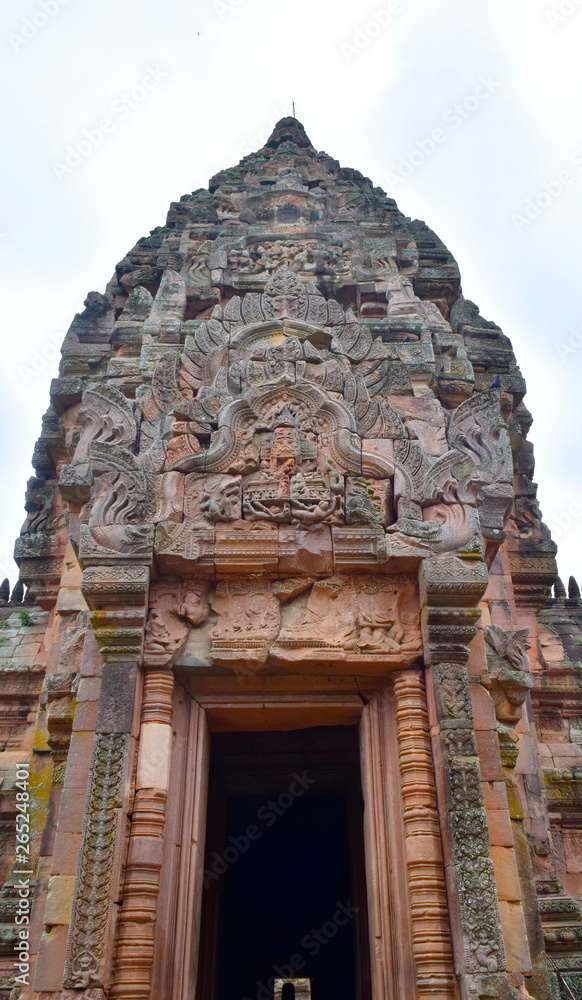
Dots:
pixel 174 605
pixel 510 678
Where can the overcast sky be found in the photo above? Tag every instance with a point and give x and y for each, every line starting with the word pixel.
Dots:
pixel 187 87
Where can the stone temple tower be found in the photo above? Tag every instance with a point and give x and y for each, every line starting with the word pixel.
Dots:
pixel 286 707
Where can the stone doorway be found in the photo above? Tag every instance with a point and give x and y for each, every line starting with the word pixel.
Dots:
pixel 284 886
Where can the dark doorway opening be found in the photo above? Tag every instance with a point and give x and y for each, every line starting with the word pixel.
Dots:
pixel 284 892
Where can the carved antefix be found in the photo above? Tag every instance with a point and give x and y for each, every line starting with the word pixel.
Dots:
pixel 509 681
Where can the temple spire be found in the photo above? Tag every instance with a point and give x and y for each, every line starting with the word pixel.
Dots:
pixel 289 130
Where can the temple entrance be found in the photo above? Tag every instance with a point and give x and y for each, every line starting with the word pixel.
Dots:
pixel 284 880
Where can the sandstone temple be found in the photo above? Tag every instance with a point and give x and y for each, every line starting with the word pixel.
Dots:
pixel 291 694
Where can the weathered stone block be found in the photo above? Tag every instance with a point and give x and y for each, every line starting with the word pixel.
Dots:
pixel 116 706
pixel 59 899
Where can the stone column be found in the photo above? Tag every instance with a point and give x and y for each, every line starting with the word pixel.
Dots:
pixel 431 933
pixel 135 943
pixel 450 589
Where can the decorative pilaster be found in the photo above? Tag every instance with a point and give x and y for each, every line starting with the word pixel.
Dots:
pixel 135 943
pixel 90 930
pixel 431 935
pixel 450 587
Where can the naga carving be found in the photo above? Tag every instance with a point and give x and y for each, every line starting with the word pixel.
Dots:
pixel 510 679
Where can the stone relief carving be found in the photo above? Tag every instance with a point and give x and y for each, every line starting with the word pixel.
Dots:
pixel 87 935
pixel 370 618
pixel 174 606
pixel 267 425
pixel 105 416
pixel 248 621
pixel 510 678
pixel 213 498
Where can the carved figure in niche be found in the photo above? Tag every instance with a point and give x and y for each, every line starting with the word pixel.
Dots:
pixel 365 616
pixel 212 498
pixel 381 623
pixel 280 254
pixel 253 260
pixel 198 272
pixel 267 493
pixel 383 256
pixel 330 617
pixel 173 606
pixel 509 674
pixel 401 298
pixel 368 501
pixel 289 487
pixel 194 606
pixel 313 259
pixel 248 622
pixel 225 507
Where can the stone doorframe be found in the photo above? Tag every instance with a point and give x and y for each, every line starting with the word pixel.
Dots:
pixel 410 947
